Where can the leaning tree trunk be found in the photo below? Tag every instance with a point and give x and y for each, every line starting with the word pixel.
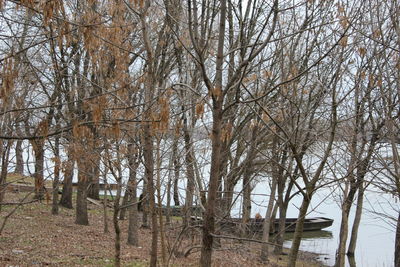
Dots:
pixel 298 233
pixel 361 172
pixel 357 220
pixel 344 228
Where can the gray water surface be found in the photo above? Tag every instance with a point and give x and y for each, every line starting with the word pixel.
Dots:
pixel 375 246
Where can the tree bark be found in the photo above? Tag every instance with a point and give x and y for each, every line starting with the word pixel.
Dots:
pixel 226 202
pixel 149 171
pixel 117 230
pixel 279 238
pixel 38 148
pixel 94 188
pixel 177 167
pixel 169 185
pixel 66 196
pixel 217 115
pixel 189 160
pixel 133 238
pixel 144 204
pixel 344 228
pixel 246 205
pixel 397 244
pixel 209 216
pixel 5 154
pixel 56 181
pixel 357 219
pixel 19 167
pixel 159 200
pixel 298 233
pixel 267 223
pixel 125 201
pixel 105 217
pixel 81 215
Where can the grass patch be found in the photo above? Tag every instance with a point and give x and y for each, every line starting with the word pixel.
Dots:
pixel 15 178
pixel 20 179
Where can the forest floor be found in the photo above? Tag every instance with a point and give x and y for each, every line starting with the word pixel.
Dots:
pixel 34 237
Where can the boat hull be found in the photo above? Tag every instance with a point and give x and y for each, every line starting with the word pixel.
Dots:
pixel 256 225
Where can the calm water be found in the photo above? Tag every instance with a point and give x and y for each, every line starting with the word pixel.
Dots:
pixel 375 246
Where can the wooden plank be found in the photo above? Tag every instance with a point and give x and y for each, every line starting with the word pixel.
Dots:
pixel 94 201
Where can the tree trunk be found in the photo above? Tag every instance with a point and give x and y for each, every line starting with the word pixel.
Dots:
pixel 343 234
pixel 125 201
pixel 19 167
pixel 94 188
pixel 38 148
pixel 177 167
pixel 246 205
pixel 105 220
pixel 226 202
pixel 159 200
pixel 298 233
pixel 397 244
pixel 56 181
pixel 267 223
pixel 190 176
pixel 133 238
pixel 81 216
pixel 117 229
pixel 217 94
pixel 279 238
pixel 169 185
pixel 5 154
pixel 66 196
pixel 209 215
pixel 144 204
pixel 149 171
pixel 357 220
pixel 282 205
pixel 344 226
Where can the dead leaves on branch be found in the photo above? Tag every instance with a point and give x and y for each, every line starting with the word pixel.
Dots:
pixel 159 119
pixel 8 76
pixel 226 132
pixel 200 109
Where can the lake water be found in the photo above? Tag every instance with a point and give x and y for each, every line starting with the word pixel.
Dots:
pixel 375 245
